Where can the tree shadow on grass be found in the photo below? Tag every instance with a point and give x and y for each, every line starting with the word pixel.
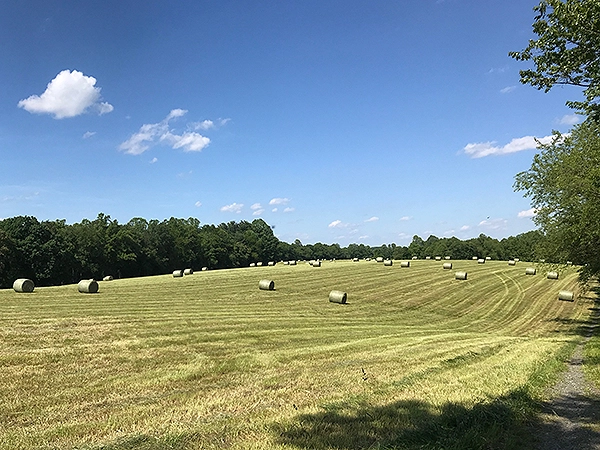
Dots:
pixel 509 422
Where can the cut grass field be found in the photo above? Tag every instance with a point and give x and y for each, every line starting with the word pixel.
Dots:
pixel 415 359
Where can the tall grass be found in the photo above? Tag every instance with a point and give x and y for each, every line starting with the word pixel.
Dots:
pixel 415 359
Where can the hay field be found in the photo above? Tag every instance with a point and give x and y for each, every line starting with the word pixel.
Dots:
pixel 415 359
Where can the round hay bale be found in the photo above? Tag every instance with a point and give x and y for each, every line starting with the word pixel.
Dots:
pixel 87 286
pixel 271 263
pixel 204 269
pixel 481 261
pixel 404 263
pixel 552 275
pixel 474 258
pixel 569 263
pixel 316 263
pixel 566 296
pixel 23 285
pixel 252 264
pixel 460 276
pixel 447 258
pixel 368 259
pixel 338 297
pixel 488 258
pixel 438 258
pixel 517 260
pixel 177 273
pixel 388 262
pixel 512 262
pixel 379 259
pixel 415 258
pixel 188 272
pixel 354 259
pixel 266 285
pixel 259 263
pixel 530 271
pixel 447 266
pixel 107 278
pixel 286 263
pixel 292 263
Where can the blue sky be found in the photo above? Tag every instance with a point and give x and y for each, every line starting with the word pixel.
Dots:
pixel 334 121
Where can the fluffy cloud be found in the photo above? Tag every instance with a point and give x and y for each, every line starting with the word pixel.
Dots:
pixel 69 94
pixel 372 219
pixel 288 209
pixel 234 207
pixel 279 201
pixel 336 224
pixel 481 149
pixel 494 224
pixel 154 133
pixel 527 213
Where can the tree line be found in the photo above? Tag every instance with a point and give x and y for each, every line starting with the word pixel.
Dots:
pixel 54 252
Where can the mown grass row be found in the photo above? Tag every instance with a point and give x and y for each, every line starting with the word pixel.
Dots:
pixel 209 361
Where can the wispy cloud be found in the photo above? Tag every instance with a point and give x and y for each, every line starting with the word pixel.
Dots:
pixel 88 134
pixel 493 224
pixel 569 119
pixel 69 94
pixel 155 133
pixel 372 219
pixel 198 204
pixel 507 89
pixel 153 160
pixel 234 208
pixel 288 209
pixel 337 224
pixel 527 213
pixel 465 228
pixel 405 218
pixel 481 149
pixel 279 201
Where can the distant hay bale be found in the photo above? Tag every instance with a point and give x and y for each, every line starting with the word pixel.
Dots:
pixel 292 263
pixel 338 297
pixel 474 258
pixel 460 276
pixel 286 263
pixel 87 286
pixel 566 295
pixel 552 275
pixel 266 285
pixel 316 263
pixel 438 258
pixel 354 259
pixel 177 273
pixel 488 258
pixel 252 264
pixel 415 258
pixel 569 263
pixel 481 261
pixel 388 262
pixel 379 259
pixel 517 260
pixel 542 261
pixel 204 269
pixel 107 278
pixel 259 263
pixel 530 271
pixel 188 271
pixel 404 263
pixel 271 263
pixel 512 262
pixel 23 285
pixel 447 266
pixel 428 258
pixel 447 258
pixel 368 259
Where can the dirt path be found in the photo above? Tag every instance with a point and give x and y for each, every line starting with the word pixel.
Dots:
pixel 572 419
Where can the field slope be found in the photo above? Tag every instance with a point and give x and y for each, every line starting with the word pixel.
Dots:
pixel 416 359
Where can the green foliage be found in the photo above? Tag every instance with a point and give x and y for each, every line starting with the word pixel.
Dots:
pixel 563 184
pixel 567 50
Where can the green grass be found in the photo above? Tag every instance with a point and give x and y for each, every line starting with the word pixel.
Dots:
pixel 415 359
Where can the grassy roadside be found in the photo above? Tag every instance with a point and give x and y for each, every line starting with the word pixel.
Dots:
pixel 415 360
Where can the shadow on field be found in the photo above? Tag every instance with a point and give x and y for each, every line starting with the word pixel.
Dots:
pixel 509 422
pixel 500 424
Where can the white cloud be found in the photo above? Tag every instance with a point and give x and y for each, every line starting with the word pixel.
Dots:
pixel 372 219
pixel 465 228
pixel 279 201
pixel 527 213
pixel 507 89
pixel 481 149
pixel 493 224
pixel 234 207
pixel 154 133
pixel 258 212
pixel 274 210
pixel 405 218
pixel 153 160
pixel 198 204
pixel 569 119
pixel 288 209
pixel 69 94
pixel 336 224
pixel 204 125
pixel 88 134
pixel 256 206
